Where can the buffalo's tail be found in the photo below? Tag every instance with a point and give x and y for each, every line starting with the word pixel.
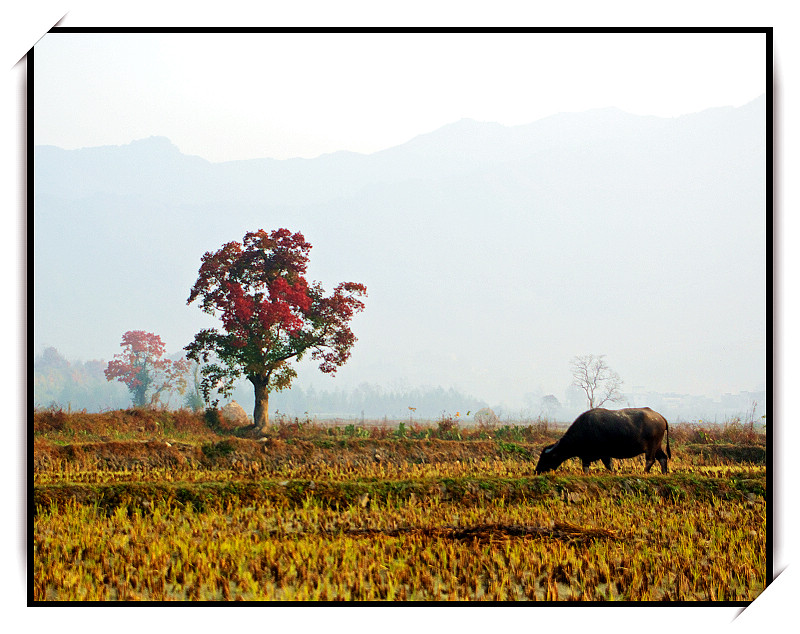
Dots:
pixel 669 452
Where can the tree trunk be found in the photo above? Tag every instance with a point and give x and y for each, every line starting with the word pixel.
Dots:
pixel 261 411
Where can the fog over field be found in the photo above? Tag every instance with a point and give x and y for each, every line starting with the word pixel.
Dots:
pixel 492 254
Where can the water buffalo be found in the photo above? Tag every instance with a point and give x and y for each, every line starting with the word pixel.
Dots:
pixel 602 434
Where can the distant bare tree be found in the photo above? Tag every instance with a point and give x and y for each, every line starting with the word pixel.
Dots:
pixel 597 380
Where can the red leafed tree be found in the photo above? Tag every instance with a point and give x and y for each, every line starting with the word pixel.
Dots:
pixel 142 367
pixel 270 316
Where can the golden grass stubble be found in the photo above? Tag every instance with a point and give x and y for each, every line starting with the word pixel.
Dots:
pixel 602 548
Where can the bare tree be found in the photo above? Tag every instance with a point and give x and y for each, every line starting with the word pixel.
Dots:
pixel 597 380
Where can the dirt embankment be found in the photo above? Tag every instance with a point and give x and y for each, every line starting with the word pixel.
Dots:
pixel 268 454
pixel 257 459
pixel 274 453
pixel 80 440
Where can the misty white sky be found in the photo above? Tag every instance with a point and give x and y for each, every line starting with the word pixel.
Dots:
pixel 239 96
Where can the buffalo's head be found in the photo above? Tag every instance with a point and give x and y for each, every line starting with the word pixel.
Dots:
pixel 548 459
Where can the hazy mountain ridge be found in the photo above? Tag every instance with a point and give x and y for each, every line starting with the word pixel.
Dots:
pixel 501 249
pixel 454 149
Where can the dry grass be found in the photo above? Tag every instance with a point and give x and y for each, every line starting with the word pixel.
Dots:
pixel 178 511
pixel 599 549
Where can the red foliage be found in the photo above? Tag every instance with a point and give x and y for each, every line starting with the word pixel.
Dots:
pixel 142 348
pixel 233 281
pixel 142 368
pixel 269 312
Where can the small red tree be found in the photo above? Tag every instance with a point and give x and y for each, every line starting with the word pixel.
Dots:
pixel 142 368
pixel 270 315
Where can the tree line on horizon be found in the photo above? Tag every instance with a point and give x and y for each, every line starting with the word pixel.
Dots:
pixel 60 383
pixel 77 385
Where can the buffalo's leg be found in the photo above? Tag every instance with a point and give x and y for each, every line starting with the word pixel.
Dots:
pixel 607 462
pixel 662 459
pixel 586 464
pixel 649 462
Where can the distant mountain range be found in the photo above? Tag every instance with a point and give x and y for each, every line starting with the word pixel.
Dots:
pixel 492 254
pixel 155 166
